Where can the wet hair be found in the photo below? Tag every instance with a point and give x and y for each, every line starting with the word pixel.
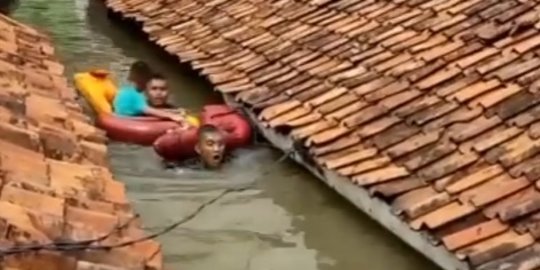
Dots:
pixel 206 129
pixel 155 76
pixel 140 69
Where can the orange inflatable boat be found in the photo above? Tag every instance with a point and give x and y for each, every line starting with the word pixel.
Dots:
pixel 98 88
pixel 181 144
pixel 137 130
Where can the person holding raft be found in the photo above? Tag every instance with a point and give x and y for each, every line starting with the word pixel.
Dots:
pixel 223 130
pixel 131 99
pixel 209 150
pixel 157 94
pixel 210 146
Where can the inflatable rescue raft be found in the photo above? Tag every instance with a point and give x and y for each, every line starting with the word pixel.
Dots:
pixel 98 88
pixel 180 145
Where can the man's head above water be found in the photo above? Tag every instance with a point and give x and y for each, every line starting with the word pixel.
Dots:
pixel 210 146
pixel 157 90
pixel 139 74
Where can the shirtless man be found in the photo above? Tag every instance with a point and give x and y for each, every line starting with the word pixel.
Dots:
pixel 210 146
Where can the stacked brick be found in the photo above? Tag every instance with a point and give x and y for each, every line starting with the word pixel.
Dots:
pixel 54 181
pixel 431 105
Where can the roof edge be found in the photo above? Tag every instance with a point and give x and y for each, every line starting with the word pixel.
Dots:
pixel 374 207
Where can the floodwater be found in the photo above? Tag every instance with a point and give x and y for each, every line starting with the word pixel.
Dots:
pixel 287 220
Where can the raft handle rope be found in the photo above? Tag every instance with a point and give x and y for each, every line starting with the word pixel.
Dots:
pixel 88 244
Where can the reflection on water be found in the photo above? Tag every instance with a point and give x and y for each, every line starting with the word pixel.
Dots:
pixel 288 220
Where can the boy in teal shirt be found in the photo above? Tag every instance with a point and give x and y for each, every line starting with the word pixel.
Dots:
pixel 131 101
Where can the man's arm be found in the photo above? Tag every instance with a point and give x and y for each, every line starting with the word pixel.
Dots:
pixel 163 114
pixel 180 111
pixel 141 107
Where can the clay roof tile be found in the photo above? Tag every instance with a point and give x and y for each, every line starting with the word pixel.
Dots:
pixel 420 101
pixel 53 167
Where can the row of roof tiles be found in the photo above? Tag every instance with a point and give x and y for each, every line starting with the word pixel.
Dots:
pixel 54 181
pixel 431 105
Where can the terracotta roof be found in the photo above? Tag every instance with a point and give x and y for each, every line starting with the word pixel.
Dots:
pixel 432 105
pixel 54 180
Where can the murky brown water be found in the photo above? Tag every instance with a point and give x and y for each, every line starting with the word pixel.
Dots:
pixel 288 221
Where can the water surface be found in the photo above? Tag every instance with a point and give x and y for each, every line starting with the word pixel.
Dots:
pixel 287 221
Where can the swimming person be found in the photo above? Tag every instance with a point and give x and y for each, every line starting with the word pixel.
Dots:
pixel 209 150
pixel 210 146
pixel 131 99
pixel 157 94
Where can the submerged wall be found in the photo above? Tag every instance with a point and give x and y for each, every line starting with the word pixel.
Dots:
pixel 55 184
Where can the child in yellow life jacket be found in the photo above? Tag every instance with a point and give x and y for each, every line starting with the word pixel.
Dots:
pixel 157 93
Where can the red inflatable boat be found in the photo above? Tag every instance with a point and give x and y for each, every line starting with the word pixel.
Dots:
pixel 137 130
pixel 181 144
pixel 98 88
